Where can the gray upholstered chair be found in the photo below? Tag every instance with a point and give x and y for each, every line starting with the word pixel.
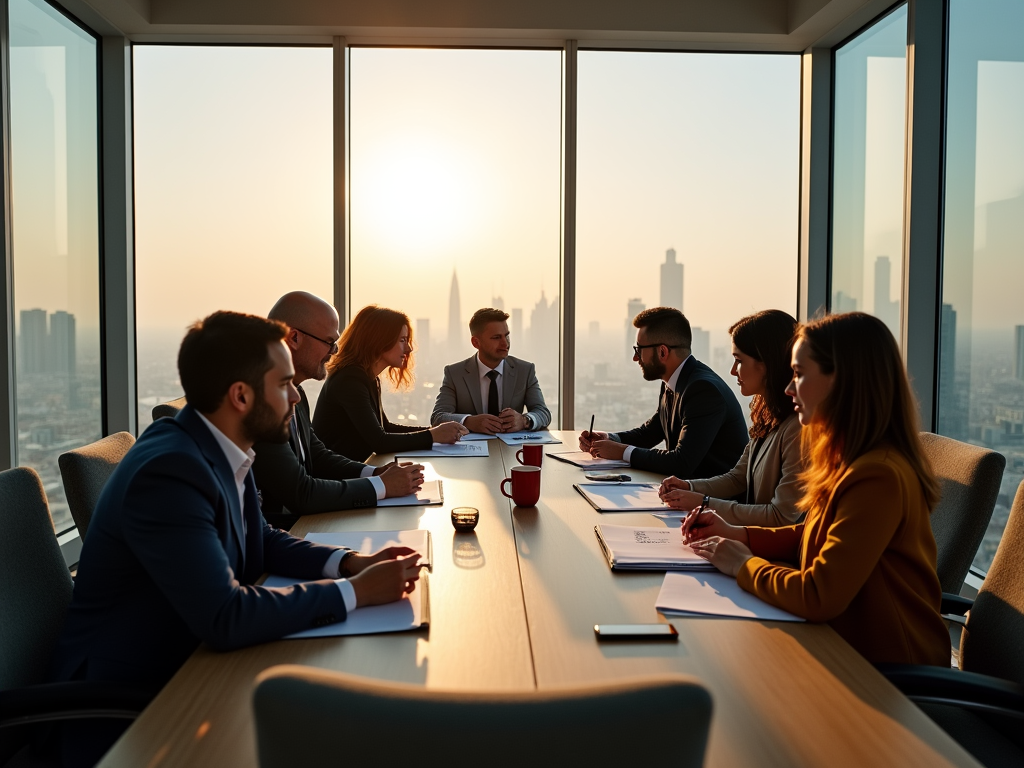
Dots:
pixel 309 717
pixel 168 409
pixel 982 705
pixel 35 590
pixel 86 470
pixel 970 478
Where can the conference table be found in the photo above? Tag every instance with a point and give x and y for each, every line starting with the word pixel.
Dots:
pixel 512 608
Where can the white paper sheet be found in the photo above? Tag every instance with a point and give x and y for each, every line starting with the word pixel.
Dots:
pixel 429 493
pixel 585 460
pixel 472 448
pixel 714 594
pixel 649 549
pixel 478 436
pixel 527 438
pixel 622 497
pixel 368 542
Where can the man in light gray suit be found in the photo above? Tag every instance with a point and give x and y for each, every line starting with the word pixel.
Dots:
pixel 488 392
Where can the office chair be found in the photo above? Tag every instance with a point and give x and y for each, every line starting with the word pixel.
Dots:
pixel 86 470
pixel 307 717
pixel 982 704
pixel 35 591
pixel 970 477
pixel 168 409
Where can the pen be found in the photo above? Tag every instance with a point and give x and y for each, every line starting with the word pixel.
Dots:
pixel 591 432
pixel 703 503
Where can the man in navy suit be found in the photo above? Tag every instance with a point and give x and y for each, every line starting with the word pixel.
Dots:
pixel 177 540
pixel 698 418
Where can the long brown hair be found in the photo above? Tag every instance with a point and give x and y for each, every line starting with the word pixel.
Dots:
pixel 767 336
pixel 870 403
pixel 371 333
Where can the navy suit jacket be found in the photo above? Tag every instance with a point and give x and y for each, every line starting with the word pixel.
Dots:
pixel 165 565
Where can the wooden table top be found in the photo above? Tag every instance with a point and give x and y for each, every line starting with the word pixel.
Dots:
pixel 513 606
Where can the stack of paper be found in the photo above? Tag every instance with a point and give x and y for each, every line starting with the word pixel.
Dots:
pixel 714 594
pixel 429 493
pixel 527 438
pixel 585 460
pixel 472 448
pixel 369 542
pixel 622 497
pixel 647 549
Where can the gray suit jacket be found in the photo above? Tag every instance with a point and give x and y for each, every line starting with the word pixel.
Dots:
pixel 774 482
pixel 459 395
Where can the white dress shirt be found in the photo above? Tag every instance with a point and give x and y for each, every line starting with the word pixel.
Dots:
pixel 485 389
pixel 240 461
pixel 671 386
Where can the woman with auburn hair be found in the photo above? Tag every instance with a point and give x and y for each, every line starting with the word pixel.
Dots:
pixel 863 559
pixel 763 488
pixel 349 416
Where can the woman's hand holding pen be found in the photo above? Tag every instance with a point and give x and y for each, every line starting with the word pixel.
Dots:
pixel 704 523
pixel 710 537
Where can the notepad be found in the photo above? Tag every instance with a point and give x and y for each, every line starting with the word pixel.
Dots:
pixel 714 594
pixel 647 549
pixel 431 492
pixel 622 497
pixel 368 542
pixel 585 460
pixel 527 438
pixel 472 448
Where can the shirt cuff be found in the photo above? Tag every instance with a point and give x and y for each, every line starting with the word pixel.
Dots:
pixel 531 423
pixel 348 594
pixel 378 486
pixel 332 568
pixel 367 471
pixel 628 452
pixel 462 419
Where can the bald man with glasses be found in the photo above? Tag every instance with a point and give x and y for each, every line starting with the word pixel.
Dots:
pixel 303 476
pixel 699 418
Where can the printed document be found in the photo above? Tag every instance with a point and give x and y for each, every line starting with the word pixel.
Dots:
pixel 472 448
pixel 368 542
pixel 648 549
pixel 527 438
pixel 714 594
pixel 585 460
pixel 429 493
pixel 622 497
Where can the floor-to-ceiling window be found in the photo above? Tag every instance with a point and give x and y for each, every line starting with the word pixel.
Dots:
pixel 233 190
pixel 55 232
pixel 687 196
pixel 455 202
pixel 867 170
pixel 981 347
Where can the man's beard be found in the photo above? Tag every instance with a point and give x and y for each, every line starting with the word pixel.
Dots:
pixel 261 424
pixel 653 370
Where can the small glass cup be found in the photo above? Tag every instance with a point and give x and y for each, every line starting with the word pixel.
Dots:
pixel 465 518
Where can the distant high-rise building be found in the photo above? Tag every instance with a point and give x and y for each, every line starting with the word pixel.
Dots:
pixel 952 418
pixel 517 325
pixel 672 281
pixel 1019 347
pixel 423 335
pixel 843 303
pixel 455 332
pixel 543 335
pixel 498 303
pixel 33 341
pixel 700 348
pixel 62 343
pixel 886 310
pixel 633 308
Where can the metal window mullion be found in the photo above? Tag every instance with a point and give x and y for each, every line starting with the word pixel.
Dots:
pixel 923 199
pixel 815 181
pixel 8 416
pixel 567 366
pixel 340 132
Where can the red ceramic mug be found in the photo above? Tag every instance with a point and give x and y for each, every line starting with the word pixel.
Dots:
pixel 531 455
pixel 525 486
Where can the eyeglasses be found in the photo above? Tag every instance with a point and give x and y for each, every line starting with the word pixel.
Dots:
pixel 638 347
pixel 332 344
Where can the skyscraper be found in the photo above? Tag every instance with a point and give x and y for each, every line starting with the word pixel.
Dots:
pixel 498 303
pixel 633 308
pixel 454 315
pixel 1019 347
pixel 672 281
pixel 886 310
pixel 700 347
pixel 423 335
pixel 33 341
pixel 517 325
pixel 952 419
pixel 62 343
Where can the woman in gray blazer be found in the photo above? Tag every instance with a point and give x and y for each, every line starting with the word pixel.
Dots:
pixel 763 488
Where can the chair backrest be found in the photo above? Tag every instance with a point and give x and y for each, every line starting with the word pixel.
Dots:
pixel 86 470
pixel 35 585
pixel 970 478
pixel 993 640
pixel 310 717
pixel 168 409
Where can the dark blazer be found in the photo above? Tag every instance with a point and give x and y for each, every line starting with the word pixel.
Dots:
pixel 164 566
pixel 324 482
pixel 701 423
pixel 459 395
pixel 351 421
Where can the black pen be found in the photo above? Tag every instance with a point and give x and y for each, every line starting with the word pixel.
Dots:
pixel 591 429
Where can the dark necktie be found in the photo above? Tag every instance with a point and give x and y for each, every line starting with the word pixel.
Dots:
pixel 492 393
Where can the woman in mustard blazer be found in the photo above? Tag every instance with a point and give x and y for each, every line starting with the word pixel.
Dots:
pixel 763 488
pixel 863 559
